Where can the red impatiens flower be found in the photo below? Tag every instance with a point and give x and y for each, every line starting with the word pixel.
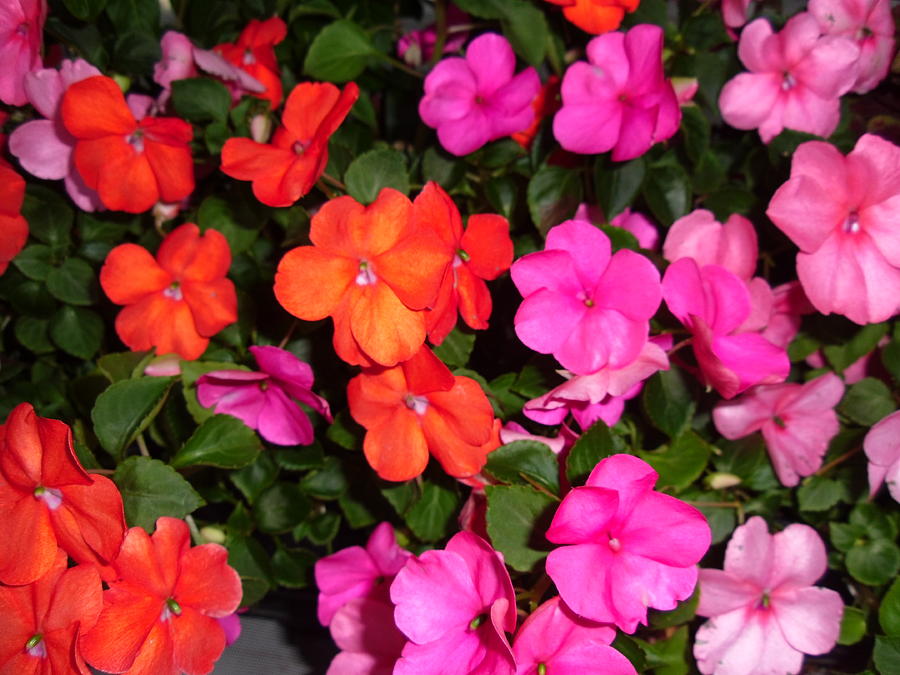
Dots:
pixel 13 227
pixel 596 16
pixel 483 251
pixel 49 501
pixel 40 623
pixel 289 167
pixel 417 407
pixel 254 52
pixel 159 615
pixel 371 269
pixel 131 164
pixel 176 302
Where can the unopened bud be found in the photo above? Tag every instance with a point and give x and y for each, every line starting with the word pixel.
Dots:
pixel 721 481
pixel 212 535
pixel 261 128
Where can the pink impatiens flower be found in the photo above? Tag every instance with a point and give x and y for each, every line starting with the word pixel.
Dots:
pixel 417 46
pixel 882 446
pixel 844 215
pixel 556 640
pixel 370 643
pixel 624 547
pixel 795 81
pixel 700 236
pixel 797 422
pixel 358 572
pixel 714 305
pixel 455 606
pixel 620 99
pixel 588 307
pixel 765 613
pixel 477 99
pixel 44 147
pixel 637 223
pixel 21 35
pixel 266 400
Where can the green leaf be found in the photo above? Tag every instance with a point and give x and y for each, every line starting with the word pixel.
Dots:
pixel 867 402
pixel 889 612
pixel 669 656
pixel 125 409
pixel 432 516
pixel 250 560
pixel 516 461
pixel 201 99
pixel 191 371
pixel 784 144
pixel 77 331
pixel 485 9
pixel 345 432
pixel 292 566
pixel 553 195
pixel 526 28
pixel 695 129
pixel 374 170
pixel 281 507
pixel 853 626
pixel 134 14
pixel 151 489
pixel 683 613
pixel 820 494
pixel 123 365
pixel 503 194
pixel 34 261
pixel 301 459
pixel 681 463
pixel 629 648
pixel 887 654
pixel 443 169
pixel 85 10
pixel 802 346
pixel 620 238
pixel 252 480
pixel 592 446
pixel 329 482
pixel 618 183
pixel 400 496
pixel 323 528
pixel 49 217
pixel 73 282
pixel 222 441
pixel 340 52
pixel 890 357
pixel 667 190
pixel 874 521
pixel 456 348
pixel 668 402
pixel 34 334
pixel 874 562
pixel 517 519
pixel 865 340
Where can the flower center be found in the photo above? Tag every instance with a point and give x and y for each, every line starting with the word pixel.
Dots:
pixel 50 496
pixel 851 224
pixel 479 99
pixel 36 646
pixel 788 82
pixel 779 422
pixel 263 385
pixel 173 291
pixel 249 59
pixel 461 257
pixel 764 601
pixel 136 140
pixel 171 609
pixel 615 545
pixel 300 147
pixel 418 404
pixel 23 29
pixel 366 274
pixel 477 621
pixel 542 669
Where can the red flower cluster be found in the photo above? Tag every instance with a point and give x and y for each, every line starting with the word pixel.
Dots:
pixel 254 52
pixel 13 227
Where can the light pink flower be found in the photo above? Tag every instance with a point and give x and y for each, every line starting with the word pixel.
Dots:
pixel 797 422
pixel 844 215
pixel 586 306
pixel 620 99
pixel 358 572
pixel 632 221
pixel 267 400
pixel 562 642
pixel 713 304
pixel 625 547
pixel 370 642
pixel 734 12
pixel 417 46
pixel 477 99
pixel 600 395
pixel 44 147
pixel 882 446
pixel 21 35
pixel 700 236
pixel 870 24
pixel 789 304
pixel 765 613
pixel 455 606
pixel 685 90
pixel 795 81
pixel 516 432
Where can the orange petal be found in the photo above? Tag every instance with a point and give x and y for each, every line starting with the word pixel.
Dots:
pixel 594 18
pixel 414 268
pixel 128 185
pixel 90 524
pixel 474 299
pixel 265 71
pixel 173 168
pixel 311 282
pixel 27 556
pixel 258 33
pixel 92 157
pixel 345 225
pixel 441 318
pixel 397 449
pixel 307 106
pixel 465 409
pixel 426 373
pixel 303 173
pixel 458 458
pixel 130 272
pixel 77 597
pixel 198 641
pixel 189 256
pixel 161 322
pixel 206 582
pixel 96 107
pixel 171 542
pixel 213 304
pixel 265 165
pixel 385 329
pixel 488 245
pixel 434 209
pixel 373 395
pixel 167 131
pixel 345 345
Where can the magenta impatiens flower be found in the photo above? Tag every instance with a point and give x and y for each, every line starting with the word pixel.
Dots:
pixel 882 446
pixel 455 606
pixel 795 81
pixel 620 99
pixel 477 99
pixel 358 572
pixel 267 400
pixel 797 422
pixel 844 215
pixel 556 640
pixel 21 35
pixel 765 613
pixel 714 304
pixel 632 221
pixel 370 643
pixel 44 147
pixel 624 547
pixel 588 307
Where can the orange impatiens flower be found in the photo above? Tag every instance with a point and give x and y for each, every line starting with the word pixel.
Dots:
pixel 159 615
pixel 596 16
pixel 254 53
pixel 40 623
pixel 289 167
pixel 176 302
pixel 371 269
pixel 48 501
pixel 419 407
pixel 482 252
pixel 131 164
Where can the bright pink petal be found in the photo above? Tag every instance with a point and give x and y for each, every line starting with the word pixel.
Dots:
pixel 748 100
pixel 492 61
pixel 282 421
pixel 583 516
pixel 666 530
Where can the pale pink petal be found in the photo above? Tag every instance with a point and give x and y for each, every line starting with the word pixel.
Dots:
pixel 640 226
pixel 882 442
pixel 798 448
pixel 722 592
pixel 798 557
pixel 177 62
pixel 806 210
pixel 809 618
pixel 748 100
pixel 830 69
pixel 882 223
pixel 759 49
pixel 750 553
pixel 742 416
pixel 45 89
pixel 84 198
pixel 804 110
pixel 43 147
pixel 212 63
pixel 761 303
pixel 882 159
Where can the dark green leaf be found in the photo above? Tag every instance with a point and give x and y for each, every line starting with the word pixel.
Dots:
pixel 340 52
pixel 374 170
pixel 631 650
pixel 887 654
pixel 874 562
pixel 521 460
pixel 802 346
pixel 281 507
pixel 527 30
pixel 503 194
pixel 123 365
pixel 301 459
pixel 667 190
pixel 853 626
pixel 34 261
pixel 236 220
pixel 668 402
pixel 400 496
pixel 432 516
pixel 669 656
pixel 617 184
pixel 517 519
pixel 357 512
pixel 323 528
pixel 874 521
pixel 222 441
pixel 34 334
pixel 253 479
pixel 620 238
pixel 73 282
pixel 247 556
pixel 77 331
pixel 125 409
pixel 784 144
pixel 867 402
pixel 841 356
pixel 695 128
pixel 456 347
pixel 446 171
pixel 292 567
pixel 889 611
pixel 85 10
pixel 592 446
pixel 329 482
pixel 684 612
pixel 681 463
pixel 820 494
pixel 553 195
pixel 151 489
pixel 345 432
pixel 134 14
pixel 49 216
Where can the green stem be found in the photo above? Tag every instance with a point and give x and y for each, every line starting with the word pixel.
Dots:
pixel 440 11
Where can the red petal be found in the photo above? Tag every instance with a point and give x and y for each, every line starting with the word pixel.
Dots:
pixel 207 583
pixel 373 397
pixel 92 157
pixel 441 318
pixel 171 541
pixel 90 523
pixel 189 256
pixel 426 373
pixel 385 329
pixel 458 458
pixel 397 449
pixel 173 168
pixel 161 322
pixel 434 209
pixel 465 409
pixel 345 227
pixel 13 235
pixel 259 33
pixel 487 243
pixel 130 273
pixel 167 131
pixel 474 299
pixel 77 598
pixel 31 553
pixel 96 107
pixel 128 184
pixel 198 642
pixel 213 304
pixel 265 165
pixel 307 106
pixel 12 190
pixel 414 268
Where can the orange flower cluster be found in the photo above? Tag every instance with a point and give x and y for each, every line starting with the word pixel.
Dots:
pixel 596 16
